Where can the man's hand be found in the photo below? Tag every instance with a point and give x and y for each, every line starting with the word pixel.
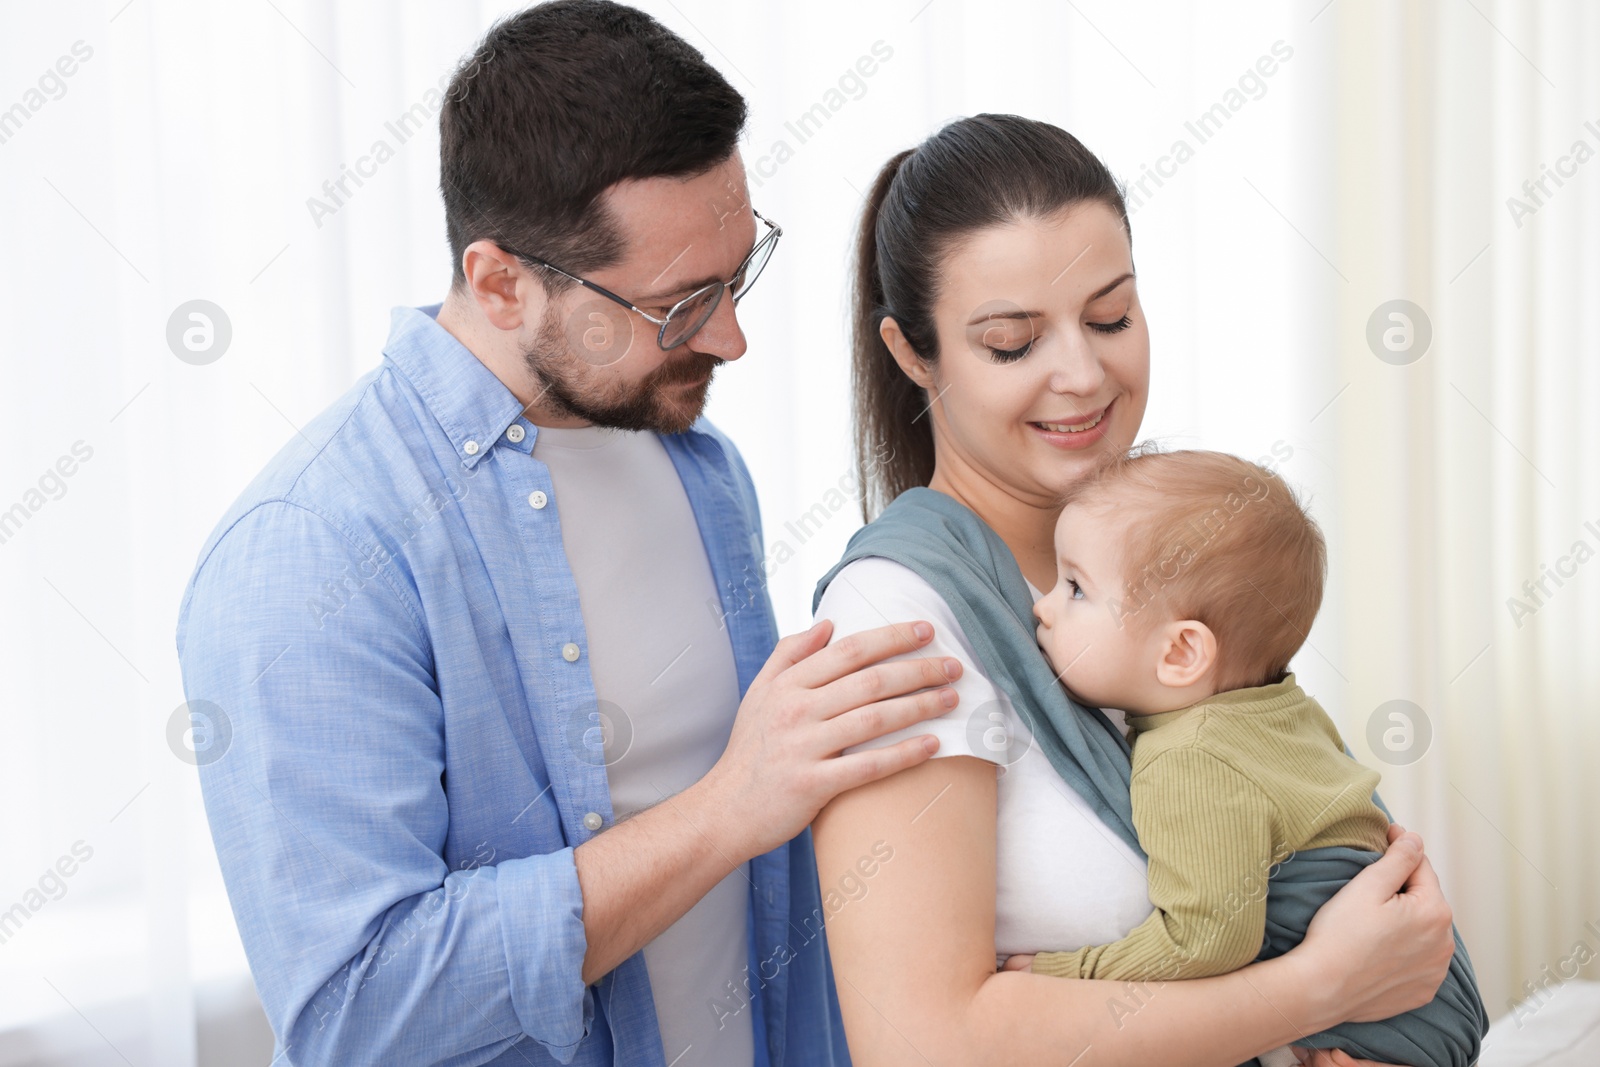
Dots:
pixel 807 705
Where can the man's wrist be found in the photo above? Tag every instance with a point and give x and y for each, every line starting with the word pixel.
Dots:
pixel 723 823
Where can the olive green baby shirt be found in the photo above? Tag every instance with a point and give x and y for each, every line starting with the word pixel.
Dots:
pixel 1223 791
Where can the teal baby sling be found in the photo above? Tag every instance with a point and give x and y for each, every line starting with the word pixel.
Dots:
pixel 973 571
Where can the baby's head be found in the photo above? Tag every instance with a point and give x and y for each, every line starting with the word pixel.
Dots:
pixel 1178 575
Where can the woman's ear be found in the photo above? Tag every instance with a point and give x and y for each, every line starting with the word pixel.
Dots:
pixel 910 363
pixel 1188 653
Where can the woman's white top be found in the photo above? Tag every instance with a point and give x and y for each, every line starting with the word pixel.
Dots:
pixel 1063 878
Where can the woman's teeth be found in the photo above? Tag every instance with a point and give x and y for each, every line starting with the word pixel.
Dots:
pixel 1061 427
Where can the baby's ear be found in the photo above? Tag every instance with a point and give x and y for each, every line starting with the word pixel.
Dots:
pixel 1188 651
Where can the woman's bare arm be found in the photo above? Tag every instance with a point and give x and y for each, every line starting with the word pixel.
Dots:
pixel 914 955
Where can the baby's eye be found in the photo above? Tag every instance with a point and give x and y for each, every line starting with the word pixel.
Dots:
pixel 1075 589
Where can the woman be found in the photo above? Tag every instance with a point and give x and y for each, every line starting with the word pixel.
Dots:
pixel 1000 351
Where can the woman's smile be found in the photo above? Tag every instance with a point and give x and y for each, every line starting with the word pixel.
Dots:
pixel 1079 433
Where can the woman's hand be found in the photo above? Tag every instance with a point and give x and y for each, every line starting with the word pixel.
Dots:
pixel 1332 1058
pixel 1382 944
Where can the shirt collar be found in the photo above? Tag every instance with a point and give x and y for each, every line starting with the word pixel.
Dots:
pixel 1272 697
pixel 473 407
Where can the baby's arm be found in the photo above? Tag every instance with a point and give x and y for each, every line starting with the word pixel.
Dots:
pixel 1207 830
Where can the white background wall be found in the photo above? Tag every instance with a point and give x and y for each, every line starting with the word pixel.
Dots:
pixel 1374 164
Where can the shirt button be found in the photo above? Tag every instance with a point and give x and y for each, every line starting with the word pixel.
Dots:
pixel 593 821
pixel 470 448
pixel 569 652
pixel 515 434
pixel 537 498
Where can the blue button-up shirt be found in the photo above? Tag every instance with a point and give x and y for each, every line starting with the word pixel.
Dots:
pixel 384 657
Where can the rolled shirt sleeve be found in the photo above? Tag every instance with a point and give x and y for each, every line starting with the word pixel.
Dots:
pixel 329 813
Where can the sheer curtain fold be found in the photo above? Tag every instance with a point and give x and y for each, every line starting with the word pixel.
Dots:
pixel 1464 470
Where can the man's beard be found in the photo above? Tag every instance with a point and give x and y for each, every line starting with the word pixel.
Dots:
pixel 658 402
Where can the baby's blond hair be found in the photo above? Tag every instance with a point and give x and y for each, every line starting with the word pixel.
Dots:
pixel 1218 539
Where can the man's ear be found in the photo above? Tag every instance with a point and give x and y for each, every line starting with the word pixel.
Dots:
pixel 910 363
pixel 1188 651
pixel 498 285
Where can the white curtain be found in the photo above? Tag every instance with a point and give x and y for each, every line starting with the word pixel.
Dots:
pixel 1341 155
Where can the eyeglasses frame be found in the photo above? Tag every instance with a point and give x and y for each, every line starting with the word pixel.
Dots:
pixel 770 238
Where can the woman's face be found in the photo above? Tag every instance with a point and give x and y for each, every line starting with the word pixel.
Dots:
pixel 1044 356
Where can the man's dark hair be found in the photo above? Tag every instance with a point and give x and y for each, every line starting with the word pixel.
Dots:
pixel 558 103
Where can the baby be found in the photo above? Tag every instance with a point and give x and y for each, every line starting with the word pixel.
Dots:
pixel 1185 583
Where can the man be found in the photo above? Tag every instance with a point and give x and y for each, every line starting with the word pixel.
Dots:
pixel 516 773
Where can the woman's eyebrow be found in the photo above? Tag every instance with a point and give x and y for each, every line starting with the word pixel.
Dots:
pixel 1102 292
pixel 1020 314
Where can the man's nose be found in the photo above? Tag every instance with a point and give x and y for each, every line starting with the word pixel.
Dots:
pixel 721 335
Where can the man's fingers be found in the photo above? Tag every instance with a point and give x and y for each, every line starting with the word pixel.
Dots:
pixel 885 681
pixel 859 768
pixel 791 650
pixel 884 717
pixel 855 651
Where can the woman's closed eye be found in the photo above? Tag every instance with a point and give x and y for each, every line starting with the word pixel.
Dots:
pixel 1011 355
pixel 1112 327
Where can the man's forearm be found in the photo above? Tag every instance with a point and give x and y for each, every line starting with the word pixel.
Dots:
pixel 647 871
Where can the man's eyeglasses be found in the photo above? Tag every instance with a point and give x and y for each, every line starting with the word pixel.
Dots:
pixel 686 317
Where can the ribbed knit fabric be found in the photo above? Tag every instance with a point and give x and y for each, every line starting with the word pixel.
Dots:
pixel 1223 791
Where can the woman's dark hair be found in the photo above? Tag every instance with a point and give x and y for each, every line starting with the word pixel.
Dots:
pixel 975 172
pixel 557 103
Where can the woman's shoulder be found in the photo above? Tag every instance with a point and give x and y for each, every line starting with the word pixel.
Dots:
pixel 870 586
pixel 874 591
pixel 876 584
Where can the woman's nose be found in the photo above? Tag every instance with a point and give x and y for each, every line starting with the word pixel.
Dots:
pixel 1077 370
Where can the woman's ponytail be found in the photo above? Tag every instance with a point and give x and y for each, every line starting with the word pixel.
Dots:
pixel 891 454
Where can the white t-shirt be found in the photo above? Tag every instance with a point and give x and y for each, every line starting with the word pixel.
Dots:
pixel 668 688
pixel 1063 879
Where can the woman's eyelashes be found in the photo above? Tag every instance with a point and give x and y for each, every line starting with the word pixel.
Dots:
pixel 1112 327
pixel 1011 355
